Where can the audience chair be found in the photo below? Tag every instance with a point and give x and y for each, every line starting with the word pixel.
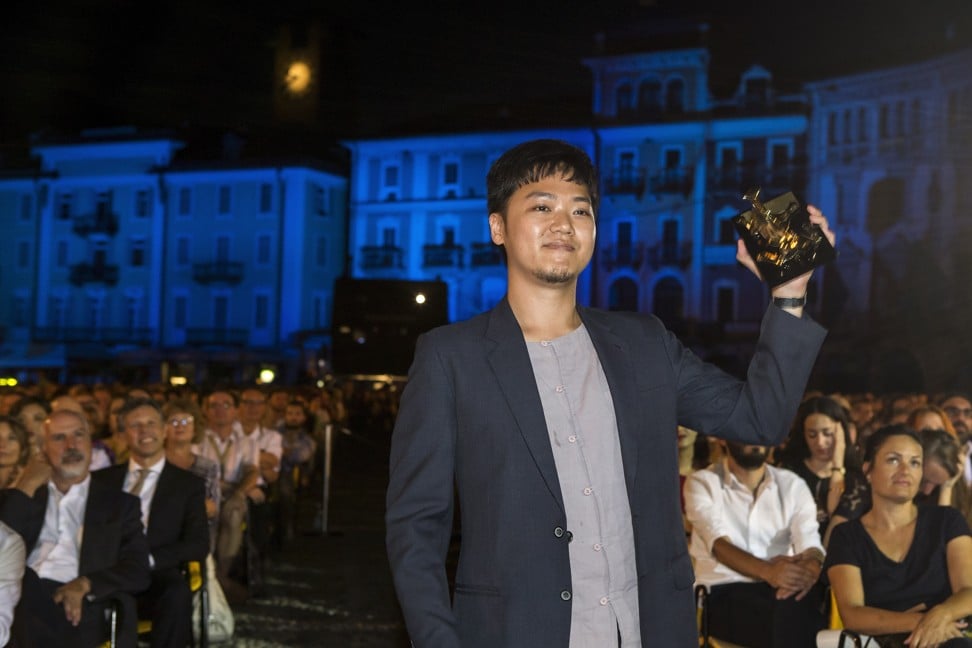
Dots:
pixel 836 636
pixel 195 573
pixel 702 617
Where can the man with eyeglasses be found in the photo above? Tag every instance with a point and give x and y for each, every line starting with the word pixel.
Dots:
pixel 958 407
pixel 238 458
pixel 173 516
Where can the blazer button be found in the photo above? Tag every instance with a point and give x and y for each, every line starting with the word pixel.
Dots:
pixel 559 532
pixel 565 595
pixel 570 536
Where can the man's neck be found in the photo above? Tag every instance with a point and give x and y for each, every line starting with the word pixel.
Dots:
pixel 249 428
pixel 751 478
pixel 148 462
pixel 545 314
pixel 64 485
pixel 223 431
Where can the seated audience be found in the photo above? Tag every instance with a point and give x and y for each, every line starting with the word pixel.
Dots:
pixel 298 453
pixel 174 516
pixel 72 576
pixel 820 451
pixel 756 547
pixel 185 427
pixel 100 456
pixel 32 412
pixel 930 417
pixel 901 572
pixel 15 450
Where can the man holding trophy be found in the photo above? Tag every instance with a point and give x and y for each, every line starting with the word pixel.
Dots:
pixel 555 425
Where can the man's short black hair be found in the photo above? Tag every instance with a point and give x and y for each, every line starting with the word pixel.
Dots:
pixel 533 161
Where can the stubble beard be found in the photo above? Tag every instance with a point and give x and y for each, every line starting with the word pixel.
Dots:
pixel 555 277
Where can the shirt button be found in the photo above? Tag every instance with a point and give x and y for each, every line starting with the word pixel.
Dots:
pixel 597 547
pixel 572 439
pixel 544 343
pixel 565 595
pixel 604 600
pixel 559 389
pixel 588 490
pixel 559 532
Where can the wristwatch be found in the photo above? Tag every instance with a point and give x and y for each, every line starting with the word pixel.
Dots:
pixel 838 469
pixel 790 302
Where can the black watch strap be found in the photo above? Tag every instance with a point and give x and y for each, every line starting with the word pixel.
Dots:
pixel 790 302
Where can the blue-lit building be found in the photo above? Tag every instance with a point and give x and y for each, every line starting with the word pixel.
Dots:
pixel 121 248
pixel 128 258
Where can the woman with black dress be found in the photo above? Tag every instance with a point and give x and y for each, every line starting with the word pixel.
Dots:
pixel 819 449
pixel 902 573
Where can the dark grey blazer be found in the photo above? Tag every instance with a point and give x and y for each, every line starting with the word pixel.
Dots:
pixel 471 416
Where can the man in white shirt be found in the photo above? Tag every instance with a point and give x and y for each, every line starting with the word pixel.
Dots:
pixel 12 557
pixel 174 516
pixel 238 458
pixel 84 540
pixel 757 549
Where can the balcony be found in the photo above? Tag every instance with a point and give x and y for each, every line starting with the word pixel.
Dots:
pixel 85 273
pixel 662 256
pixel 102 222
pixel 677 180
pixel 104 335
pixel 228 272
pixel 774 180
pixel 382 257
pixel 629 256
pixel 625 181
pixel 442 256
pixel 485 254
pixel 235 337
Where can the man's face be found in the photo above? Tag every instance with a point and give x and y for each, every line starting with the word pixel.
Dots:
pixel 548 232
pixel 748 457
pixel 278 400
pixel 145 432
pixel 959 410
pixel 220 408
pixel 253 405
pixel 294 416
pixel 67 446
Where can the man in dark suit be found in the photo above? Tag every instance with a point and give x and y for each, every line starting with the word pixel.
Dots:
pixel 556 426
pixel 85 545
pixel 173 506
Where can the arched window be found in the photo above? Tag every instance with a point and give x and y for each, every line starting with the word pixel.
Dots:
pixel 668 300
pixel 625 99
pixel 623 295
pixel 649 97
pixel 675 96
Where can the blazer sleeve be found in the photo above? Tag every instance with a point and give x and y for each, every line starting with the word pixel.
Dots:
pixel 130 571
pixel 758 410
pixel 193 539
pixel 420 499
pixel 23 514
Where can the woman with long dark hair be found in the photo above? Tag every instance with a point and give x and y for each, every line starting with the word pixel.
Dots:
pixel 819 449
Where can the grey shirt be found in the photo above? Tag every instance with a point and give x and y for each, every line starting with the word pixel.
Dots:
pixel 579 413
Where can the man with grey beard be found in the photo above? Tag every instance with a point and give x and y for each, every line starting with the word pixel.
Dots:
pixel 85 546
pixel 757 549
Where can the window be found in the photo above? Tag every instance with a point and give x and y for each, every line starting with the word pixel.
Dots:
pixel 133 310
pixel 675 96
pixel 319 200
pixel 143 199
pixel 136 252
pixel 266 198
pixel 832 128
pixel 182 251
pixel 64 203
pixel 222 249
pixel 57 311
pixel 862 124
pixel 848 130
pixel 390 178
pixel 95 311
pixel 23 254
pixel 899 118
pixel 220 311
pixel 450 173
pixel 185 201
pixel 649 96
pixel 388 236
pixel 916 117
pixel 179 311
pixel 103 203
pixel 261 311
pixel 19 311
pixel 673 158
pixel 320 252
pixel 26 207
pixel 263 249
pixel 320 311
pixel 884 128
pixel 61 254
pixel 225 196
pixel 625 99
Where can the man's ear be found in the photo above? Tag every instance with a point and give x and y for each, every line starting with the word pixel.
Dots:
pixel 497 228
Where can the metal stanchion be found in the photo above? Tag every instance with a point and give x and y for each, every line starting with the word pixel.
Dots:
pixel 328 444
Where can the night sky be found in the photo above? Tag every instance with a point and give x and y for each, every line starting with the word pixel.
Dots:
pixel 394 67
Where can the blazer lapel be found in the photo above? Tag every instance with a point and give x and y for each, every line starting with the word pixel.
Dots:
pixel 616 361
pixel 510 361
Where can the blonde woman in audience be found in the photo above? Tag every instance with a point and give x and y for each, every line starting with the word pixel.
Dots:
pixel 15 450
pixel 184 427
pixel 931 417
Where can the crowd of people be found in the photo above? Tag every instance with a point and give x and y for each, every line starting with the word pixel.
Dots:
pixel 868 496
pixel 108 492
